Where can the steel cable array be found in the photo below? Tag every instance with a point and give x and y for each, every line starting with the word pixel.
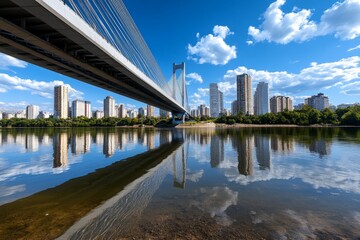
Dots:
pixel 111 20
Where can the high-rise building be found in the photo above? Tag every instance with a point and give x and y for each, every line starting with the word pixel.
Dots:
pixel 77 108
pixel 244 94
pixel 261 99
pixel 234 107
pixel 195 112
pixel 142 112
pixel 132 113
pixel 98 114
pixel 280 103
pixel 32 112
pixel 150 111
pixel 43 114
pixel 319 102
pixel 88 109
pixel 109 107
pixel 216 100
pixel 221 102
pixel 61 102
pixel 207 111
pixel 20 114
pixel 122 111
pixel 201 109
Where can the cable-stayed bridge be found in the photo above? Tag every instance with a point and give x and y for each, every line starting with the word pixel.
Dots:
pixel 95 41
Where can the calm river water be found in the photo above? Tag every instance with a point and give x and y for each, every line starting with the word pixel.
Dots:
pixel 249 183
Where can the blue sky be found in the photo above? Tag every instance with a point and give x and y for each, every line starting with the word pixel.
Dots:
pixel 299 47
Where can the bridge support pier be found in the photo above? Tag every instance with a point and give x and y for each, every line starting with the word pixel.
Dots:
pixel 178 118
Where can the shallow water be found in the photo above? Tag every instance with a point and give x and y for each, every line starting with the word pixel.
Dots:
pixel 249 183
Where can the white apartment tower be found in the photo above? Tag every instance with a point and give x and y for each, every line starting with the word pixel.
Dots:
pixel 32 112
pixel 244 94
pixel 122 111
pixel 61 102
pixel 261 99
pixel 77 108
pixel 109 107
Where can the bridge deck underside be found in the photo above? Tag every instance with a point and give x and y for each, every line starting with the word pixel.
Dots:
pixel 50 44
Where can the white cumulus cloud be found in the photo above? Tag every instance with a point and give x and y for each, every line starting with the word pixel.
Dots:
pixel 198 97
pixel 7 61
pixel 194 77
pixel 342 19
pixel 41 88
pixel 212 48
pixel 343 74
pixel 354 48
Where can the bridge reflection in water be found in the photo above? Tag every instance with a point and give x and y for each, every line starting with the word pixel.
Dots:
pixel 123 189
pixel 118 214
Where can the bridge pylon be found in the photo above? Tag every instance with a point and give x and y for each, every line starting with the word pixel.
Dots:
pixel 182 88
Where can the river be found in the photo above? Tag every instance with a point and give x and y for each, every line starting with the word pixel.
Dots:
pixel 198 183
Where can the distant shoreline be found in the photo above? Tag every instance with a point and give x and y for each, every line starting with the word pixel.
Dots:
pixel 241 125
pixel 200 125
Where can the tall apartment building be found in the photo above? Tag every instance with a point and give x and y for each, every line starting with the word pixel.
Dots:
pixel 142 111
pixel 150 111
pixel 98 114
pixel 244 94
pixel 234 108
pixel 319 102
pixel 216 100
pixel 32 112
pixel 61 102
pixel 195 112
pixel 109 107
pixel 77 108
pixel 261 99
pixel 280 103
pixel 88 112
pixel 122 111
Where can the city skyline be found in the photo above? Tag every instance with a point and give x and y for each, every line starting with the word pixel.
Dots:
pixel 297 62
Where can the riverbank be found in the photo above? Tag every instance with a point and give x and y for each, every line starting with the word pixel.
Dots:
pixel 241 125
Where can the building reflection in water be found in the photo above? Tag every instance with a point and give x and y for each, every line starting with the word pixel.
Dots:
pixel 216 151
pixel 123 139
pixel 31 142
pixel 19 139
pixel 80 143
pixel 165 137
pixel 109 146
pixel 150 140
pixel 322 147
pixel 60 144
pixel 246 156
pixel 263 155
pixel 281 144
